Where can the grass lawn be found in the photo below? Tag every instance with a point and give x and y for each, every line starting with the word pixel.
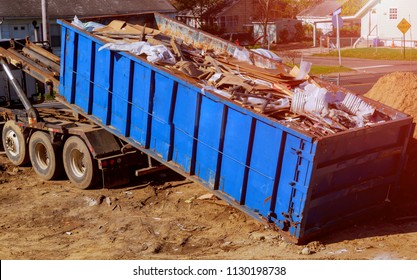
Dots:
pixel 376 53
pixel 324 70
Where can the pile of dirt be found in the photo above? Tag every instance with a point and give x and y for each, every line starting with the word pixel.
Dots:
pixel 399 91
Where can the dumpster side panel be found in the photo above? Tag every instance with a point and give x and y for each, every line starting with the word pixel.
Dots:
pixel 121 96
pixel 236 149
pixel 184 121
pixel 293 183
pixel 265 163
pixel 143 88
pixel 102 86
pixel 162 115
pixel 85 60
pixel 68 63
pixel 210 139
pixel 362 180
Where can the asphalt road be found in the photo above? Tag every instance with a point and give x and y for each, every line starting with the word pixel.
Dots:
pixel 366 71
pixel 360 84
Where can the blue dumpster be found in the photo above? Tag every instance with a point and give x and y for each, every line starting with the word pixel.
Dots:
pixel 301 184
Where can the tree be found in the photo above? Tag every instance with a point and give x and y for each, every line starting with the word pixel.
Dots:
pixel 266 8
pixel 352 6
pixel 293 7
pixel 269 9
pixel 202 10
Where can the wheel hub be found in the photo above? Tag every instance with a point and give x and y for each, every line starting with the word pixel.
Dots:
pixel 77 163
pixel 12 143
pixel 42 156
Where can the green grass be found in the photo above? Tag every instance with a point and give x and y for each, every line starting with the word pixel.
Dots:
pixel 324 70
pixel 376 53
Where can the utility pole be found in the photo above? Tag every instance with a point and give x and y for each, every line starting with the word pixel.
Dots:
pixel 337 20
pixel 45 23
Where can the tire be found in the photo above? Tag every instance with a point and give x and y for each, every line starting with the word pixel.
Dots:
pixel 46 158
pixel 14 143
pixel 79 165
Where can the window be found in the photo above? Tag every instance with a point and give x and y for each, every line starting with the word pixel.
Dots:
pixel 229 20
pixel 393 13
pixel 222 22
pixel 235 21
pixel 55 32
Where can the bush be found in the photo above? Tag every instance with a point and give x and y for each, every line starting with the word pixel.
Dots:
pixel 299 32
pixel 283 36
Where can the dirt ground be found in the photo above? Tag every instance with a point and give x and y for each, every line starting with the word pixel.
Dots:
pixel 166 217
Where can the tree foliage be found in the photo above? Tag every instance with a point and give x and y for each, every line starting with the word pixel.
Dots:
pixel 266 10
pixel 286 8
pixel 272 9
pixel 197 7
pixel 202 11
pixel 350 7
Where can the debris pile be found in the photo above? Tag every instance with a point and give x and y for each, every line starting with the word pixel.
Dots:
pixel 291 97
pixel 397 90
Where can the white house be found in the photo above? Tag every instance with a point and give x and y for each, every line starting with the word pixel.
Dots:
pixel 380 18
pixel 320 16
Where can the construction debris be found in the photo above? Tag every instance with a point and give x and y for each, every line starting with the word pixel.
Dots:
pixel 293 98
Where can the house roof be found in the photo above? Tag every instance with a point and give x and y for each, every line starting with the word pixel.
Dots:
pixel 65 8
pixel 228 5
pixel 323 10
pixel 365 8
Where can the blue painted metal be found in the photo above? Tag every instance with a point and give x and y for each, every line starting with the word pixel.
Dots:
pixel 300 184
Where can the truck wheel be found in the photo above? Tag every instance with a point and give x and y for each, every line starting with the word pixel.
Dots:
pixel 79 165
pixel 14 144
pixel 45 157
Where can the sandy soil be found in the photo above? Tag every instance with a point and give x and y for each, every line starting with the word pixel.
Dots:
pixel 166 217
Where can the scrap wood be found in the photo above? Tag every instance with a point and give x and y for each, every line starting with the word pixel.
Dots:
pixel 143 33
pixel 281 113
pixel 155 42
pixel 116 35
pixel 284 89
pixel 220 67
pixel 241 66
pixel 189 68
pixel 229 79
pixel 176 47
pixel 206 75
pixel 121 27
pixel 269 78
pixel 143 29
